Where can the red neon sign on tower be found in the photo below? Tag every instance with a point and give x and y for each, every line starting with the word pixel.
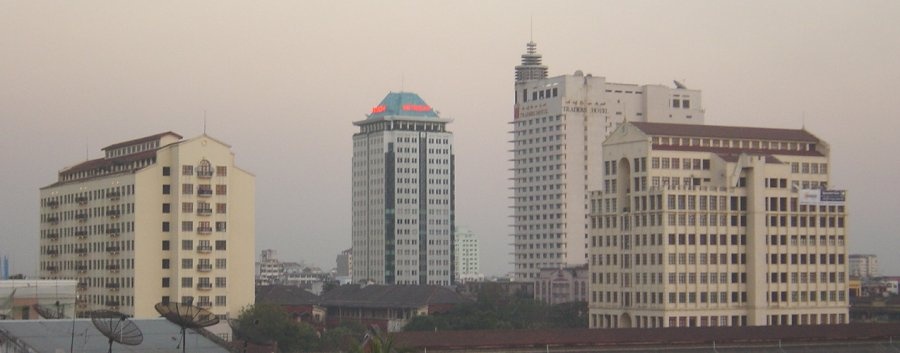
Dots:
pixel 416 107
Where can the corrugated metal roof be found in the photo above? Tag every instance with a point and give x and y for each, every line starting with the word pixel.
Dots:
pixel 714 131
pixel 50 336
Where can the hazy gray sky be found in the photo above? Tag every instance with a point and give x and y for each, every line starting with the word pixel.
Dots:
pixel 281 81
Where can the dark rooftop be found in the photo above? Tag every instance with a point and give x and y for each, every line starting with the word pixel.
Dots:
pixel 140 140
pixel 714 131
pixel 390 296
pixel 285 295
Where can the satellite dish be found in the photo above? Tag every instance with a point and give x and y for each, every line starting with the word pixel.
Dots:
pixel 117 328
pixel 50 313
pixel 186 316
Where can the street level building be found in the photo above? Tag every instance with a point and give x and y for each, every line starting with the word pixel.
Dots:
pixel 562 285
pixel 558 128
pixel 716 226
pixel 403 194
pixel 156 219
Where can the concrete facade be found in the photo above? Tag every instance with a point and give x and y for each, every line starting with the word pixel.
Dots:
pixel 468 257
pixel 558 129
pixel 716 226
pixel 156 219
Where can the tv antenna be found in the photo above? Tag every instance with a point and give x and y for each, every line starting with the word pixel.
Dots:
pixel 117 328
pixel 50 313
pixel 186 316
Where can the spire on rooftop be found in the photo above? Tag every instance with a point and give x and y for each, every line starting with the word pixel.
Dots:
pixel 531 68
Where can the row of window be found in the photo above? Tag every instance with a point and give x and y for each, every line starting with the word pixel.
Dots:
pixel 87 196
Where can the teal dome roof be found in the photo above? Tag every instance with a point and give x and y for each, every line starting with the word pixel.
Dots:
pixel 402 104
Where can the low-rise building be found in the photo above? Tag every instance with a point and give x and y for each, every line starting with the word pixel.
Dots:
pixel 562 285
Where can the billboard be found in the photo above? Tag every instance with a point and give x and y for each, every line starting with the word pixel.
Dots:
pixel 822 197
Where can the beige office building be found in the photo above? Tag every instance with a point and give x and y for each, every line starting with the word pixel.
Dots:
pixel 716 226
pixel 156 219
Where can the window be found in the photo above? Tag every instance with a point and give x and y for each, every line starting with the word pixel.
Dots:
pixel 166 171
pixel 220 208
pixel 165 245
pixel 221 263
pixel 187 170
pixel 220 226
pixel 220 282
pixel 187 226
pixel 221 189
pixel 220 300
pixel 221 170
pixel 166 208
pixel 187 244
pixel 165 263
pixel 187 264
pixel 187 207
pixel 165 226
pixel 166 189
pixel 187 189
pixel 187 282
pixel 220 245
pixel 165 282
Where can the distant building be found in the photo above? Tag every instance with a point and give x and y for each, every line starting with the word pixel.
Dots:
pixel 269 269
pixel 562 285
pixel 345 263
pixel 863 266
pixel 559 124
pixel 403 194
pixel 716 226
pixel 466 250
pixel 156 219
pixel 23 299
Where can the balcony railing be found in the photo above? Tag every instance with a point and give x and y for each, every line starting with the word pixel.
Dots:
pixel 204 305
pixel 204 267
pixel 113 232
pixel 81 268
pixel 205 173
pixel 81 233
pixel 113 195
pixel 81 200
pixel 204 211
pixel 81 286
pixel 113 213
pixel 204 286
pixel 53 236
pixel 53 220
pixel 112 303
pixel 204 192
pixel 112 249
pixel 204 249
pixel 113 268
pixel 204 230
pixel 81 251
pixel 81 217
pixel 53 204
pixel 53 268
pixel 113 286
pixel 52 252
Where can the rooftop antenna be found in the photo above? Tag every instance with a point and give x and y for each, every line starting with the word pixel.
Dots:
pixel 186 316
pixel 86 150
pixel 204 121
pixel 117 328
pixel 531 29
pixel 803 120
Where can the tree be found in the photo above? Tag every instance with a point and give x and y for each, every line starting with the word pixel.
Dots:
pixel 267 323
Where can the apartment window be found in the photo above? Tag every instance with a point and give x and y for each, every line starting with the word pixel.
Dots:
pixel 187 264
pixel 165 245
pixel 165 226
pixel 220 282
pixel 221 263
pixel 166 189
pixel 166 208
pixel 165 299
pixel 187 207
pixel 221 189
pixel 220 300
pixel 187 226
pixel 187 170
pixel 166 171
pixel 220 245
pixel 165 264
pixel 165 282
pixel 220 226
pixel 221 170
pixel 187 189
pixel 220 208
pixel 187 244
pixel 187 282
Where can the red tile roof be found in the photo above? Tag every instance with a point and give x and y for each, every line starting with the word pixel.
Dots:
pixel 141 140
pixel 714 131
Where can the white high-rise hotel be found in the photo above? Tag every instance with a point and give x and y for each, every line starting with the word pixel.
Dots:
pixel 403 194
pixel 558 128
pixel 716 226
pixel 156 219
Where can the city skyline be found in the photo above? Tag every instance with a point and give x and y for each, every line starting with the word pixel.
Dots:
pixel 283 82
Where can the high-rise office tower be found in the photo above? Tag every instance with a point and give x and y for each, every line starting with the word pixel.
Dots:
pixel 716 226
pixel 468 262
pixel 155 219
pixel 403 194
pixel 558 128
